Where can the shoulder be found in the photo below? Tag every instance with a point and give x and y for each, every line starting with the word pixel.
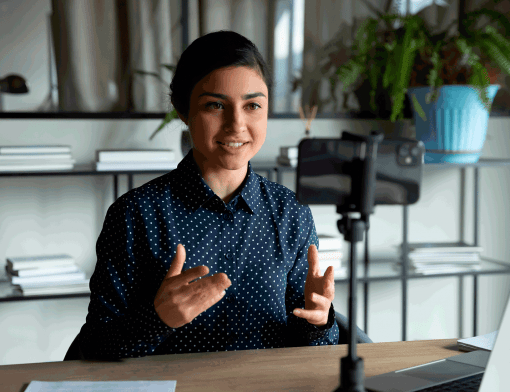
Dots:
pixel 147 194
pixel 283 201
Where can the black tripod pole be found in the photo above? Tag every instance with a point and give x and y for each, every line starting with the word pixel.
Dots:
pixel 351 366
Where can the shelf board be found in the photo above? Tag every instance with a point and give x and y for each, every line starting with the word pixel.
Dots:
pixel 355 115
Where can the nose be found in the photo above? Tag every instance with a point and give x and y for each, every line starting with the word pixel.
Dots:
pixel 237 120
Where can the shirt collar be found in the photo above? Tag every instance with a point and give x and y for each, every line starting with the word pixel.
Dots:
pixel 191 179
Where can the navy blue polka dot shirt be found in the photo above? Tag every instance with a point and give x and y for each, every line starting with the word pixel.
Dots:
pixel 259 239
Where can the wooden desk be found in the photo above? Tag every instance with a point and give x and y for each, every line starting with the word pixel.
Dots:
pixel 281 369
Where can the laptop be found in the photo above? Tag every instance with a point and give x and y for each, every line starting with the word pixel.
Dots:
pixel 463 369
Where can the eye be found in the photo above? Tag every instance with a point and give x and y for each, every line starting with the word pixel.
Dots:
pixel 256 104
pixel 209 104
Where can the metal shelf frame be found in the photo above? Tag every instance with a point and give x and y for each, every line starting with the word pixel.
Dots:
pixel 275 171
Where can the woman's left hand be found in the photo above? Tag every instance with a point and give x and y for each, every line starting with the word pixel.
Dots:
pixel 319 291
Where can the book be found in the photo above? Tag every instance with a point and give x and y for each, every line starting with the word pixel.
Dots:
pixel 96 386
pixel 120 166
pixel 443 247
pixel 330 255
pixel 82 287
pixel 27 262
pixel 287 162
pixel 35 149
pixel 481 342
pixel 30 157
pixel 45 280
pixel 446 257
pixel 34 162
pixel 135 155
pixel 64 269
pixel 41 167
pixel 328 242
pixel 291 152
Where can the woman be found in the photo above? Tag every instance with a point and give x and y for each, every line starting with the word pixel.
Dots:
pixel 212 214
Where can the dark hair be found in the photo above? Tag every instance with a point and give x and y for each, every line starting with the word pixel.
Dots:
pixel 212 51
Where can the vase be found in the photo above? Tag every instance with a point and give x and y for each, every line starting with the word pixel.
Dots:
pixel 455 126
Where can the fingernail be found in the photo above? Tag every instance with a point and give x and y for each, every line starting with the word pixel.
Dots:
pixel 224 292
pixel 297 312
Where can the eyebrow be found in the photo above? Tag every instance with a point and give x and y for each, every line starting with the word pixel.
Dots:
pixel 222 96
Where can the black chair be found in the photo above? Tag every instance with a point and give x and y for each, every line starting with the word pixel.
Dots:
pixel 74 351
pixel 343 327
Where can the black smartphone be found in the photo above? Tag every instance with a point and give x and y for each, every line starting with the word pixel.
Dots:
pixel 325 170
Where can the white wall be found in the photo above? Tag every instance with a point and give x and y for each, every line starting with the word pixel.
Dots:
pixel 48 214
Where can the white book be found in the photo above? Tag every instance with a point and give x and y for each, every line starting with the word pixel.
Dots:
pixel 120 166
pixel 33 162
pixel 82 287
pixel 26 262
pixel 324 264
pixel 40 167
pixel 330 255
pixel 64 269
pixel 287 162
pixel 45 280
pixel 438 257
pixel 290 152
pixel 328 242
pixel 35 149
pixel 135 155
pixel 25 157
pixel 443 247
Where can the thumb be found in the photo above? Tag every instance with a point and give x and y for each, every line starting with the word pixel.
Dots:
pixel 177 262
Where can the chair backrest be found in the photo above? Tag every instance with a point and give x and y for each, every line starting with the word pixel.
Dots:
pixel 343 327
pixel 74 352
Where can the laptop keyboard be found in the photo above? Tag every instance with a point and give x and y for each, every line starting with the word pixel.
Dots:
pixel 468 384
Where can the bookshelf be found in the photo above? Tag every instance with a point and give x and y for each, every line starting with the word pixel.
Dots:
pixel 375 271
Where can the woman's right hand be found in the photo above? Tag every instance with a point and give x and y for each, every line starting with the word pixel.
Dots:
pixel 178 301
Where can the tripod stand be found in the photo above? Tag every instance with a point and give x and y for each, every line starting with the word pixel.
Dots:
pixel 361 203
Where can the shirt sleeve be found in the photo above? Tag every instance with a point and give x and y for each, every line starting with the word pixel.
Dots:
pixel 301 332
pixel 121 320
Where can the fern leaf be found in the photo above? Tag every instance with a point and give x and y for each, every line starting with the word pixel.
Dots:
pixel 169 117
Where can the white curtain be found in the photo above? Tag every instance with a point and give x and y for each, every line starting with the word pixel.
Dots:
pixel 85 39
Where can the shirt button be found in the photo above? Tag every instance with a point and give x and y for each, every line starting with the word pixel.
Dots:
pixel 229 255
pixel 226 216
pixel 231 298
pixel 232 338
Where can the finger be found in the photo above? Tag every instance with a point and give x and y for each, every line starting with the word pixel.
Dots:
pixel 321 301
pixel 189 275
pixel 312 316
pixel 218 281
pixel 203 297
pixel 177 262
pixel 329 283
pixel 313 261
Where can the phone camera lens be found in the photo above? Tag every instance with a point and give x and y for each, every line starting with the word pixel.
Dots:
pixel 415 151
pixel 404 150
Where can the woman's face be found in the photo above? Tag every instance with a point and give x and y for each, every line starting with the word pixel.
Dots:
pixel 228 105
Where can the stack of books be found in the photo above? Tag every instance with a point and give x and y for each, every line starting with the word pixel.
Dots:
pixel 330 253
pixel 34 158
pixel 288 156
pixel 443 257
pixel 45 275
pixel 135 159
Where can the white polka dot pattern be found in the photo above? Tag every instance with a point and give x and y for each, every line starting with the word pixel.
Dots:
pixel 260 239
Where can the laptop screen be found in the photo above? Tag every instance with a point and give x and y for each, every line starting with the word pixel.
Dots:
pixel 497 376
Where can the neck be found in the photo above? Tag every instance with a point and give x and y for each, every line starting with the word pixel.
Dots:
pixel 223 182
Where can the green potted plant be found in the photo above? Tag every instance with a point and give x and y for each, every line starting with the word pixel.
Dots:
pixel 401 55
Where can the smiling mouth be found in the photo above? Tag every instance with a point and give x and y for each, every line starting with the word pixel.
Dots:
pixel 235 145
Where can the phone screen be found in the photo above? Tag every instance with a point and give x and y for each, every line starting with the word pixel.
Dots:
pixel 325 167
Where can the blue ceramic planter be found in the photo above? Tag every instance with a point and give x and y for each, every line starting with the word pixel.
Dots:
pixel 456 124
